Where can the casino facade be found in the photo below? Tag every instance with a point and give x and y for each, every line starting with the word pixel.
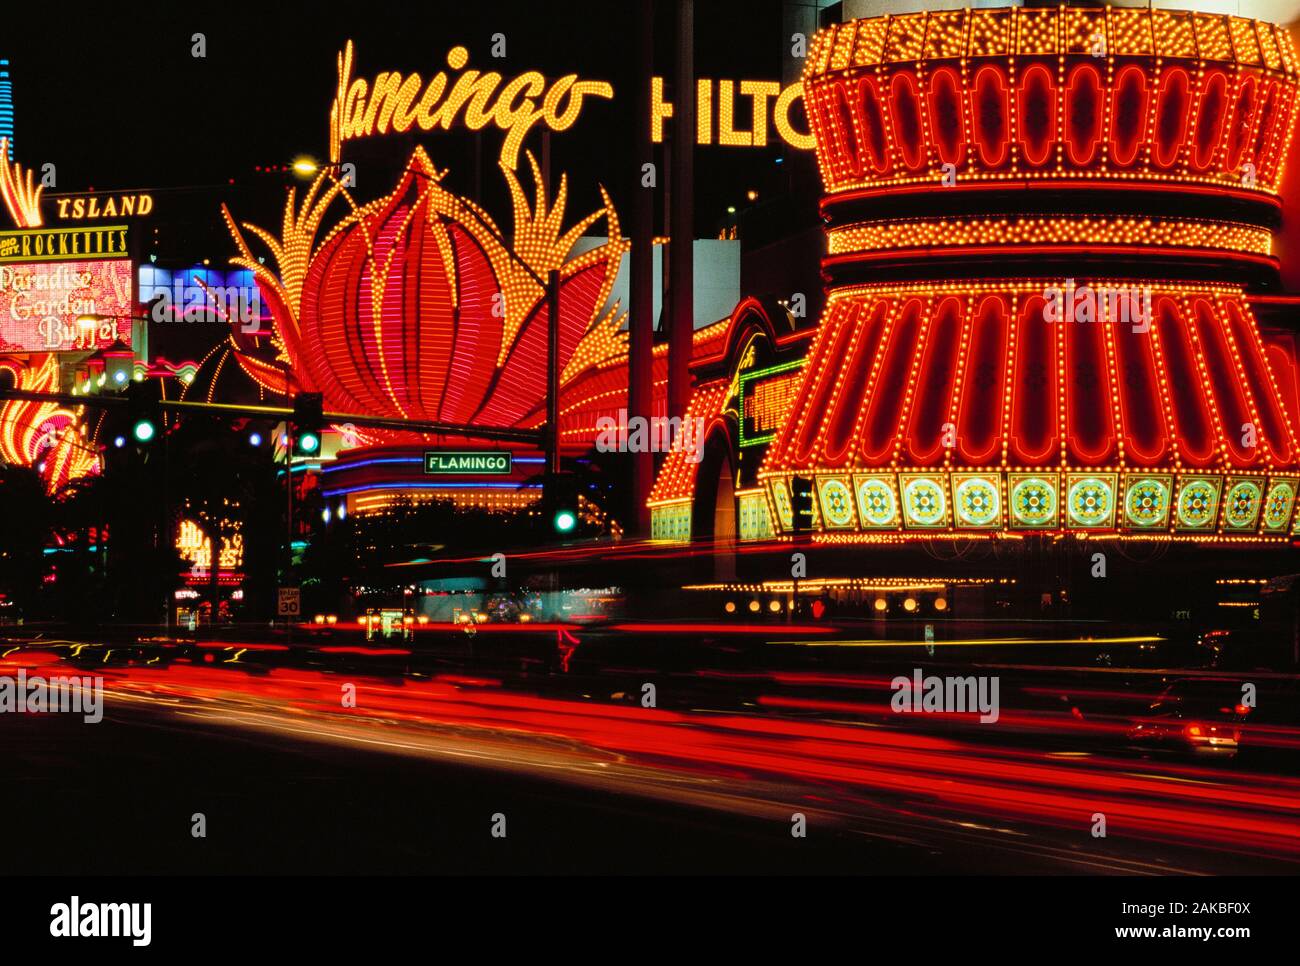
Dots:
pixel 1051 286
pixel 1053 307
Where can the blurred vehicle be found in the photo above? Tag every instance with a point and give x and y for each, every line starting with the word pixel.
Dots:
pixel 1202 717
pixel 387 622
pixel 11 615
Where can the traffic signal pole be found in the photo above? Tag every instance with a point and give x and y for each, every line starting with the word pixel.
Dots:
pixel 288 520
pixel 553 373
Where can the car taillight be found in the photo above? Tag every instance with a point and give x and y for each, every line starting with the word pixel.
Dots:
pixel 1193 731
pixel 1242 709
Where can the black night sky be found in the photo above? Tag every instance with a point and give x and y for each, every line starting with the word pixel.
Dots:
pixel 119 102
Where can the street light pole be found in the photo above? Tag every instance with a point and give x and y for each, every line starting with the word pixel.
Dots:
pixel 553 372
pixel 165 535
pixel 288 489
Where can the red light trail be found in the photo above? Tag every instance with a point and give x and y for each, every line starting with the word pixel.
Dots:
pixel 846 763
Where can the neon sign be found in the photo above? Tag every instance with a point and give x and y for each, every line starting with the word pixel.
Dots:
pixel 439 462
pixel 351 350
pixel 43 434
pixel 114 206
pixel 766 396
pixel 61 244
pixel 716 100
pixel 195 547
pixel 398 103
pixel 41 303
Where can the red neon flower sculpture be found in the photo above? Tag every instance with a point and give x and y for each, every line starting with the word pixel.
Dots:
pixel 411 307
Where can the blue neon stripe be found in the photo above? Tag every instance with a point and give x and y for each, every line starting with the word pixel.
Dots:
pixel 431 486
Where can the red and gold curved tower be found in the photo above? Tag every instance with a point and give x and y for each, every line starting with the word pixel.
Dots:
pixel 1045 227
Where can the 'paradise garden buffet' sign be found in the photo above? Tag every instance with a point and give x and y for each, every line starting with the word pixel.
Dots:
pixel 64 306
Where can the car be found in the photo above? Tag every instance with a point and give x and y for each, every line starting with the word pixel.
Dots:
pixel 1197 717
pixel 11 615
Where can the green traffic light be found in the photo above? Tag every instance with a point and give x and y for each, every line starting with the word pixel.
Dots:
pixel 565 520
pixel 308 442
pixel 143 431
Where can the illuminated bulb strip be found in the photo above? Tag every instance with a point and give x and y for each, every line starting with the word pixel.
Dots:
pixel 1013 331
pixel 1026 286
pixel 1117 483
pixel 1129 32
pixel 1087 231
pixel 905 410
pixel 959 377
pixel 1062 396
pixel 1113 374
pixel 1243 380
pixel 863 322
pixel 1206 382
pixel 1166 397
pixel 858 583
pixel 493 501
pixel 827 329
pixel 1293 433
pixel 1171 538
